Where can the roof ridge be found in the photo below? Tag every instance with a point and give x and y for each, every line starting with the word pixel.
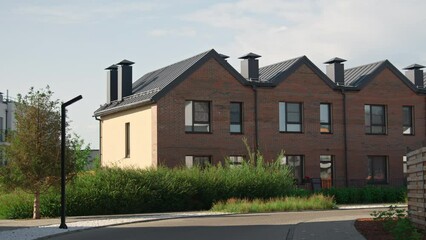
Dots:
pixel 186 59
pixel 288 60
pixel 373 63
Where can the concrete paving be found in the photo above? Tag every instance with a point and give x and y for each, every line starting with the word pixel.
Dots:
pixel 332 224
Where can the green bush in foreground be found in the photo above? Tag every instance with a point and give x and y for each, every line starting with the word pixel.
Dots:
pixel 113 191
pixel 314 202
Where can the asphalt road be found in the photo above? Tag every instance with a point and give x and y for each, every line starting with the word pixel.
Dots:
pixel 335 224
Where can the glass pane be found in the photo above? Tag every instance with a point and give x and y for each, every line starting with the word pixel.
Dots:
pixel 370 169
pixel 407 130
pixel 378 115
pixel 294 128
pixel 325 171
pixel 188 115
pixel 188 161
pixel 293 117
pixel 377 129
pixel 325 128
pixel 201 111
pixel 235 112
pixel 293 107
pixel 379 171
pixel 235 128
pixel 202 161
pixel 378 120
pixel 367 115
pixel 201 127
pixel 324 113
pixel 325 158
pixel 282 116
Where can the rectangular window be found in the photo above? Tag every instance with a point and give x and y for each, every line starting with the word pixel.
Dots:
pixel 236 116
pixel 377 169
pixel 404 166
pixel 325 118
pixel 296 163
pixel 199 161
pixel 407 123
pixel 375 119
pixel 290 117
pixel 197 116
pixel 235 161
pixel 127 140
pixel 326 171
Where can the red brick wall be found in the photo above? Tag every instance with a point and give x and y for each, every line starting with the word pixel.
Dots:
pixel 211 82
pixel 306 87
pixel 386 89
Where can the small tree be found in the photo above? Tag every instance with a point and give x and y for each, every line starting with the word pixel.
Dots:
pixel 35 147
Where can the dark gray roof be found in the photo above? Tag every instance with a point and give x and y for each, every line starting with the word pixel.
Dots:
pixel 336 59
pixel 271 72
pixel 356 76
pixel 151 86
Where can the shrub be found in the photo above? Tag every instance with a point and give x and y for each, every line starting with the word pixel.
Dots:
pixel 368 194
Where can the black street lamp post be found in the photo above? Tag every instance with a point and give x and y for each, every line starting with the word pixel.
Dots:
pixel 63 135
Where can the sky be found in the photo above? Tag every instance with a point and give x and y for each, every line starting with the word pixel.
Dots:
pixel 68 44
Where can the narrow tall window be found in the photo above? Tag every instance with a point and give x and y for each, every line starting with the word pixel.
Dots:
pixel 377 169
pixel 375 119
pixel 295 162
pixel 127 140
pixel 407 123
pixel 199 161
pixel 290 117
pixel 236 116
pixel 197 116
pixel 325 118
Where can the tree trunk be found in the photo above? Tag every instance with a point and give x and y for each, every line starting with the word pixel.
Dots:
pixel 36 209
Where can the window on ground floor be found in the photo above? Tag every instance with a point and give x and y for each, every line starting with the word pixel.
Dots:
pixel 377 169
pixel 235 161
pixel 326 171
pixel 199 161
pixel 296 164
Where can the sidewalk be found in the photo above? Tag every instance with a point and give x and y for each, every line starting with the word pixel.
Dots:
pixel 325 227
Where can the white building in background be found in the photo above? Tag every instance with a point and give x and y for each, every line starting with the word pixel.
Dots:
pixel 7 121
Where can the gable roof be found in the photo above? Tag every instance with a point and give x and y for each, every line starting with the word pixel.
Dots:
pixel 278 72
pixel 153 85
pixel 359 77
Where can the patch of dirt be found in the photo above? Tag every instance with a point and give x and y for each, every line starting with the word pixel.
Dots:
pixel 373 230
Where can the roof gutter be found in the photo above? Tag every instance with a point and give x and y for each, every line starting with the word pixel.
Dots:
pixel 122 108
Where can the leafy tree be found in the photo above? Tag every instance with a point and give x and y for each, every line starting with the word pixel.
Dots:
pixel 35 147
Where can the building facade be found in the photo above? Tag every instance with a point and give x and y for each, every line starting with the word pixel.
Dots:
pixel 7 122
pixel 347 127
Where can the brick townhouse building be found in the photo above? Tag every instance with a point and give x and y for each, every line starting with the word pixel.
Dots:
pixel 347 127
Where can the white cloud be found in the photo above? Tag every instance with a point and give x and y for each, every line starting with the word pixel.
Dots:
pixel 83 13
pixel 360 31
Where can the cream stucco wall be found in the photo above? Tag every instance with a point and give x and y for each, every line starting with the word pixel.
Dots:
pixel 143 138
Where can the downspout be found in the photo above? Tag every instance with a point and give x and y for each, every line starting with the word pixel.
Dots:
pixel 100 139
pixel 256 126
pixel 345 138
pixel 6 116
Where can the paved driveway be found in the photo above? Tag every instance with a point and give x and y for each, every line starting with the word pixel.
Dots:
pixel 335 224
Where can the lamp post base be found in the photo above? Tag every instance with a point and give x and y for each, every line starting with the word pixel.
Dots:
pixel 63 226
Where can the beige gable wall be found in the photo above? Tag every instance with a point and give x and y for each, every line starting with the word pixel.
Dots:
pixel 143 138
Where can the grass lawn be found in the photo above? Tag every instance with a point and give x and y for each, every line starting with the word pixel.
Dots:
pixel 314 202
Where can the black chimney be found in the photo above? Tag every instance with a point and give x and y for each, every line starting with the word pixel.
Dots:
pixel 223 56
pixel 250 66
pixel 336 70
pixel 415 74
pixel 124 79
pixel 112 83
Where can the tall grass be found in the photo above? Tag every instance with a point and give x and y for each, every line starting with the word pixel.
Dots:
pixel 314 202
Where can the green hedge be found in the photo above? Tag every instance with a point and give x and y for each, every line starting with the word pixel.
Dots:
pixel 368 194
pixel 113 191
